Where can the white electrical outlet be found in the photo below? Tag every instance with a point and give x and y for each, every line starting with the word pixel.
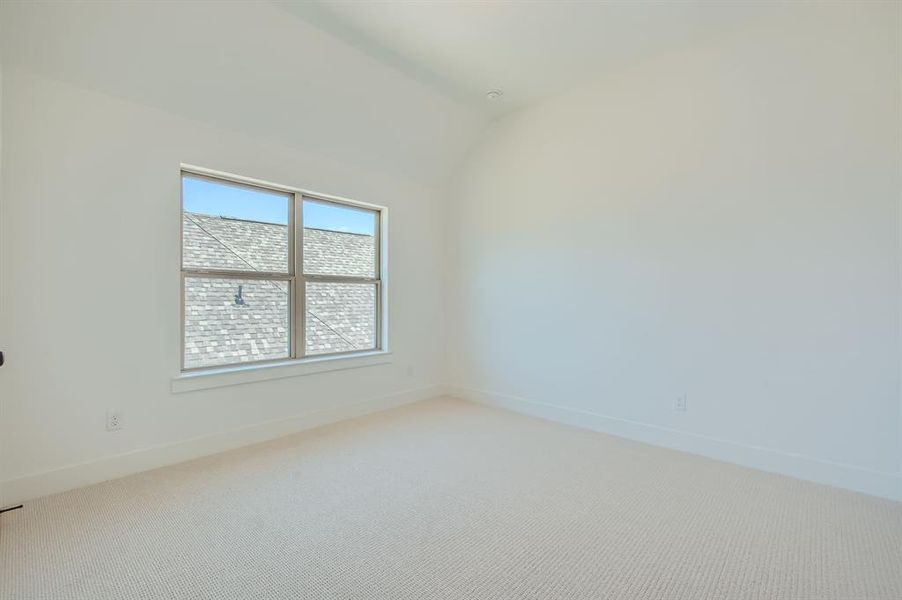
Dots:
pixel 113 420
pixel 682 403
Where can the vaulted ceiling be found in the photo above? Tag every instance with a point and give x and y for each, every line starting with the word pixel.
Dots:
pixel 249 67
pixel 530 50
pixel 394 86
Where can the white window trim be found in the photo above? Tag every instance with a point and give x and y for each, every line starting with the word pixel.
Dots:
pixel 218 376
pixel 214 377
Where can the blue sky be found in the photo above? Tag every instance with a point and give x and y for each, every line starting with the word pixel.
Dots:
pixel 223 200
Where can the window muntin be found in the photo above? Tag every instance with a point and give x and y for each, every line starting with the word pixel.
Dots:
pixel 245 298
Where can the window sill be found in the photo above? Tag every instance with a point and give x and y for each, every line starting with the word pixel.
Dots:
pixel 235 375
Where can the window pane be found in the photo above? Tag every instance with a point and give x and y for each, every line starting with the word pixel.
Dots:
pixel 339 240
pixel 233 227
pixel 231 321
pixel 340 317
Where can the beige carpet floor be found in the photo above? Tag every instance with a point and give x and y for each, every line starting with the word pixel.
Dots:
pixel 451 500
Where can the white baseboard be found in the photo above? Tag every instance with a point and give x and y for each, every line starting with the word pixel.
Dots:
pixel 16 491
pixel 875 483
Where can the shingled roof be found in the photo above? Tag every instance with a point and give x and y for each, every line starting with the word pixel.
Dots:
pixel 230 320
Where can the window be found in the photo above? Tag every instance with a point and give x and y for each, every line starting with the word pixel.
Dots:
pixel 272 273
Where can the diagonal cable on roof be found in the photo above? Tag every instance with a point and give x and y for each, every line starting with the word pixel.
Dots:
pixel 273 284
pixel 221 242
pixel 353 344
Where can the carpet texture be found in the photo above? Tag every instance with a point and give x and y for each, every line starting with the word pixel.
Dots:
pixel 447 499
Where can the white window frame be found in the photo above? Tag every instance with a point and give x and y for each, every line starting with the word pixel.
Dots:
pixel 297 281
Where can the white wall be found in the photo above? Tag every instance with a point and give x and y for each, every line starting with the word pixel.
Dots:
pixel 249 67
pixel 89 255
pixel 2 318
pixel 722 222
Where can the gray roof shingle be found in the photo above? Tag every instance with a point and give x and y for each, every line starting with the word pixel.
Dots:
pixel 241 320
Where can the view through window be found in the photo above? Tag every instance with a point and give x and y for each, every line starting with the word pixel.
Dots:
pixel 270 275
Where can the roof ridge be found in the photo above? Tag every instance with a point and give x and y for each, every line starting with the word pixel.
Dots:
pixel 341 232
pixel 225 218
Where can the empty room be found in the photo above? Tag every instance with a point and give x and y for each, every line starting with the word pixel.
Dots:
pixel 451 299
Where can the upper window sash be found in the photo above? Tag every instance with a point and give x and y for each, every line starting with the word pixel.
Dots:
pixel 214 232
pixel 323 256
